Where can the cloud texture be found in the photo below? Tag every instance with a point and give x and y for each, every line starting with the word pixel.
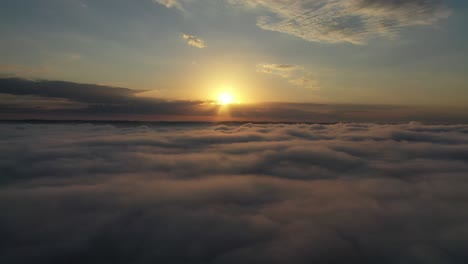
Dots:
pixel 170 3
pixel 354 21
pixel 334 21
pixel 252 193
pixel 292 72
pixel 283 70
pixel 306 82
pixel 194 41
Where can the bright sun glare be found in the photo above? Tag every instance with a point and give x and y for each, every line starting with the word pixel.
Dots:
pixel 225 99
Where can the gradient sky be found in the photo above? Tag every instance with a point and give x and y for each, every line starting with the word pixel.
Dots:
pixel 325 51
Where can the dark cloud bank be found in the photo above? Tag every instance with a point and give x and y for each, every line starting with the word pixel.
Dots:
pixel 42 99
pixel 256 193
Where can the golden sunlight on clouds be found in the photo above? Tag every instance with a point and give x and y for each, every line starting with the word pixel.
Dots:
pixel 194 41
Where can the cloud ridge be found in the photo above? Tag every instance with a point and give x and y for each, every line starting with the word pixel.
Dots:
pixel 230 193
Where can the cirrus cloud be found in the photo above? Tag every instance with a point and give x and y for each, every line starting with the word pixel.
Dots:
pixel 335 21
pixel 306 82
pixel 353 21
pixel 283 70
pixel 289 71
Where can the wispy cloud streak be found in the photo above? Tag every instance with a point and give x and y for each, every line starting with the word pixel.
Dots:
pixel 354 21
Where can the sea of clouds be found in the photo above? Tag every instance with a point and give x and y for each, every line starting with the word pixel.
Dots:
pixel 252 193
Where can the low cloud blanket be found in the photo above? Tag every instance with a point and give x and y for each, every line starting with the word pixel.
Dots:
pixel 233 193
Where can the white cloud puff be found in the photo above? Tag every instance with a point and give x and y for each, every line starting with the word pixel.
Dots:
pixel 255 193
pixel 194 41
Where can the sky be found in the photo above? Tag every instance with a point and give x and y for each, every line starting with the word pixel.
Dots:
pixel 285 131
pixel 334 52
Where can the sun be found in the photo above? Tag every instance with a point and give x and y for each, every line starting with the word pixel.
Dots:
pixel 225 98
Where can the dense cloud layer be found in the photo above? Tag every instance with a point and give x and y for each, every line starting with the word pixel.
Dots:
pixel 252 193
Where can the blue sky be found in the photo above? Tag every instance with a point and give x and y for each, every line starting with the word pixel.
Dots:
pixel 326 51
